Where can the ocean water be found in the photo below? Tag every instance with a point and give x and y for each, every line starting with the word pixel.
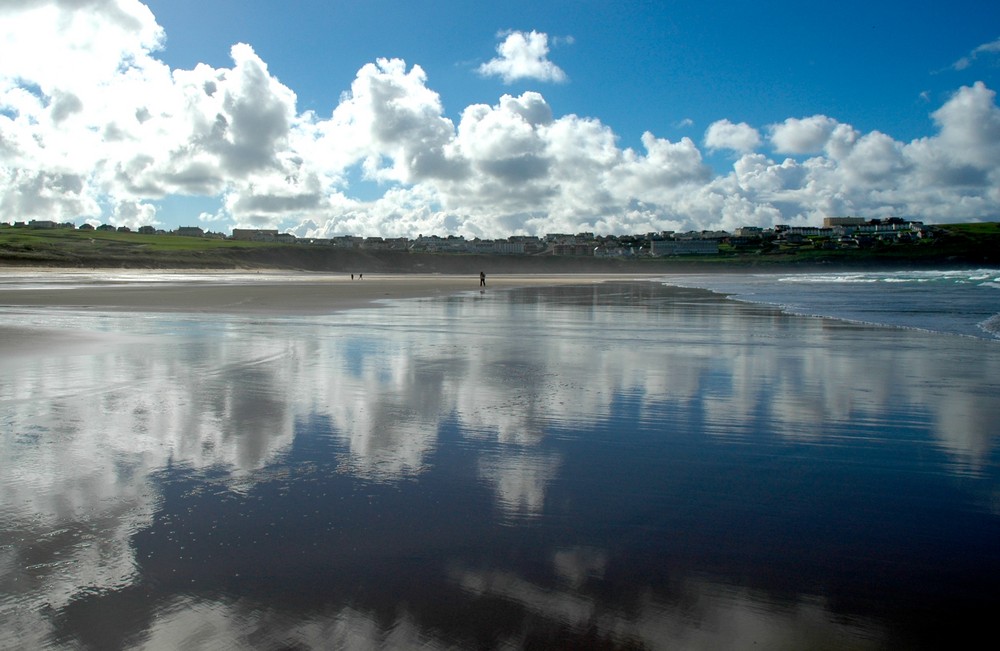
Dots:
pixel 965 302
pixel 628 465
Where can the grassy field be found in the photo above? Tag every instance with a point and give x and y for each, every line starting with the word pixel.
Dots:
pixel 62 239
pixel 65 247
pixel 954 244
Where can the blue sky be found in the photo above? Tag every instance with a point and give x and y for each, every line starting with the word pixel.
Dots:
pixel 618 117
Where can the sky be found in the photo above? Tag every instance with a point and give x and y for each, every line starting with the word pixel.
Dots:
pixel 382 118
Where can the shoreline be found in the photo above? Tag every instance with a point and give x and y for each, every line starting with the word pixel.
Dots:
pixel 46 297
pixel 240 292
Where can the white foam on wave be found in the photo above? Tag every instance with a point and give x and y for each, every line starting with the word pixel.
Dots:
pixel 827 278
pixel 991 325
pixel 945 301
pixel 960 276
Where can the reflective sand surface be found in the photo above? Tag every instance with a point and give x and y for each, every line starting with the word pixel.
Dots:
pixel 613 466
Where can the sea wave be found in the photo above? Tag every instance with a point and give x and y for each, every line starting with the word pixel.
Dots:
pixel 959 276
pixel 945 301
pixel 992 325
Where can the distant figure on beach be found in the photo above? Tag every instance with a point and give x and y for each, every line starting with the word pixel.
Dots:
pixel 360 276
pixel 352 276
pixel 482 279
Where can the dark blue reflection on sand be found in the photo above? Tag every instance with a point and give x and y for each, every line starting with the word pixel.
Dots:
pixel 620 466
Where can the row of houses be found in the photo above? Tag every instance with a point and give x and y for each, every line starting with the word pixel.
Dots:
pixel 186 231
pixel 835 232
pixel 854 231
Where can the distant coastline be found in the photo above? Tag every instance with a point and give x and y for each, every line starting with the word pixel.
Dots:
pixel 955 246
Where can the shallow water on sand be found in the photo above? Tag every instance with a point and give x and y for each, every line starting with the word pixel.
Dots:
pixel 950 301
pixel 624 465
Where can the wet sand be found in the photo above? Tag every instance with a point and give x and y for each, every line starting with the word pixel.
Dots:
pixel 243 293
pixel 550 452
pixel 224 293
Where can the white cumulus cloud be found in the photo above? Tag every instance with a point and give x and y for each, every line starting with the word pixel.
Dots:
pixel 523 55
pixel 93 126
pixel 723 134
pixel 802 136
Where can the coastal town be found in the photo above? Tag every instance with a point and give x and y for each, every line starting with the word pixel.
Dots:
pixel 836 233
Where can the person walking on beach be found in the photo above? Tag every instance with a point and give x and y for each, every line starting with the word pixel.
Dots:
pixel 482 279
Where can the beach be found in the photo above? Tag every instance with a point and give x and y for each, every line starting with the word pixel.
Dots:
pixel 248 293
pixel 309 461
pixel 215 292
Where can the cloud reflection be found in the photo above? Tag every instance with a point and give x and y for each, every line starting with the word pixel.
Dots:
pixel 714 617
pixel 704 615
pixel 90 425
